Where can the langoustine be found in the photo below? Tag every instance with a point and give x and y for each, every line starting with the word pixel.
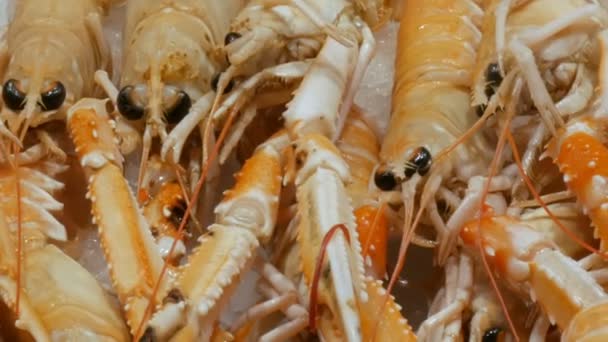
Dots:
pixel 169 63
pixel 430 111
pixel 170 59
pixel 319 163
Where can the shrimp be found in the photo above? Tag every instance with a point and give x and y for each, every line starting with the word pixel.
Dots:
pixel 53 49
pixel 431 110
pixel 321 174
pixel 171 56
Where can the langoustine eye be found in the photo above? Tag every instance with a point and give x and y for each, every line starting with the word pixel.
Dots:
pixel 12 96
pixel 385 180
pixel 419 162
pixel 180 109
pixel 127 106
pixel 53 98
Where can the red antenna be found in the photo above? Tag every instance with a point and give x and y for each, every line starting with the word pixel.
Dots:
pixel 314 286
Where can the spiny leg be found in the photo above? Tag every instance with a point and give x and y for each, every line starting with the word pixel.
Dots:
pixel 538 35
pixel 459 300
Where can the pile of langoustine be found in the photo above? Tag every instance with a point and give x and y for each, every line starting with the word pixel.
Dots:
pixel 494 158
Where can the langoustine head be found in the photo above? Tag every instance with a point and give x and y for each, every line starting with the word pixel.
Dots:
pixel 51 60
pixel 161 80
pixel 169 65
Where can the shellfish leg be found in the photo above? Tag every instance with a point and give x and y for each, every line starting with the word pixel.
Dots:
pixel 133 257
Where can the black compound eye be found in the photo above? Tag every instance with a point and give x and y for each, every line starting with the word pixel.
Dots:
pixel 420 162
pixel 12 96
pixel 53 98
pixel 179 109
pixel 385 180
pixel 216 80
pixel 492 335
pixel 493 79
pixel 231 36
pixel 178 211
pixel 423 160
pixel 126 105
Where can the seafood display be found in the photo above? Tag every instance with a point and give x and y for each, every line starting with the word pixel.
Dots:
pixel 227 161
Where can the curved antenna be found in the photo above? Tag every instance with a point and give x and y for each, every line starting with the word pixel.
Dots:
pixel 314 286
